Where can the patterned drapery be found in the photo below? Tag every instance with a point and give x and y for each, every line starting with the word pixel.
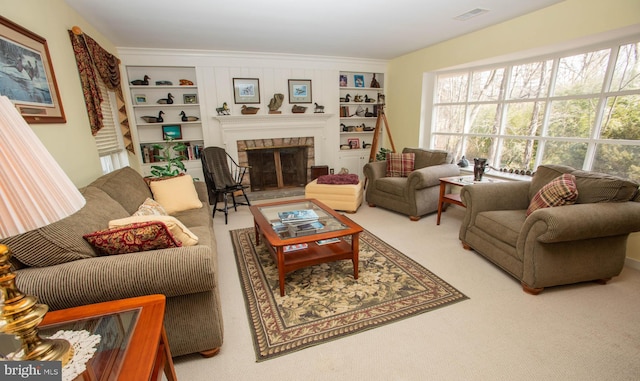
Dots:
pixel 94 61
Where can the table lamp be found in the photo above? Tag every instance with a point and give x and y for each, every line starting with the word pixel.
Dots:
pixel 35 192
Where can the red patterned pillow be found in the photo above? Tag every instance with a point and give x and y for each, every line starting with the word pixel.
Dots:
pixel 143 236
pixel 560 191
pixel 400 164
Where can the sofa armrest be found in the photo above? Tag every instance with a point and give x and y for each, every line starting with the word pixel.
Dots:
pixel 172 272
pixel 430 176
pixel 581 221
pixel 375 170
pixel 201 189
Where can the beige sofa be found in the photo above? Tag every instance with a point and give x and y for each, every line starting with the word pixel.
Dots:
pixel 58 266
pixel 557 245
pixel 416 194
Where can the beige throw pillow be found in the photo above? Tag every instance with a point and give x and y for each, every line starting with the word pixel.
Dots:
pixel 150 207
pixel 176 194
pixel 177 228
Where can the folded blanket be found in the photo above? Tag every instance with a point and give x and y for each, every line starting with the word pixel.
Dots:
pixel 339 179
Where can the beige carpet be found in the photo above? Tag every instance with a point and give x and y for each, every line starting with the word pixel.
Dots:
pixel 324 302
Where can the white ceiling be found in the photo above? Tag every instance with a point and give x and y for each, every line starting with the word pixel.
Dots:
pixel 381 29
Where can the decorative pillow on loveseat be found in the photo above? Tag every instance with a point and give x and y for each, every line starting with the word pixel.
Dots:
pixel 150 207
pixel 176 228
pixel 400 164
pixel 176 194
pixel 560 191
pixel 132 238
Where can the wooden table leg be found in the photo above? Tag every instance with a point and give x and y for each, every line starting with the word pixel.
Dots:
pixel 355 248
pixel 281 274
pixel 443 188
pixel 169 370
pixel 256 230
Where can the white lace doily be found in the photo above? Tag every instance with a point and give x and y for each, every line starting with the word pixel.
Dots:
pixel 84 346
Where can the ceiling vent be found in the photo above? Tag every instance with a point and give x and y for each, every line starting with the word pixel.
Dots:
pixel 472 13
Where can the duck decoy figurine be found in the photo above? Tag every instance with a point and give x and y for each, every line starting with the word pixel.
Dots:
pixel 298 109
pixel 346 99
pixel 223 110
pixel 186 118
pixel 249 110
pixel 154 119
pixel 166 101
pixel 143 82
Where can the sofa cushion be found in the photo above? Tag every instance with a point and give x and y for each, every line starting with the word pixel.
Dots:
pixel 503 225
pixel 126 186
pixel 393 185
pixel 592 186
pixel 600 187
pixel 132 238
pixel 559 191
pixel 428 158
pixel 176 194
pixel 177 229
pixel 150 207
pixel 62 241
pixel 400 164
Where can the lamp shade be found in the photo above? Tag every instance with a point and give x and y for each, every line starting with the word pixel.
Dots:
pixel 34 190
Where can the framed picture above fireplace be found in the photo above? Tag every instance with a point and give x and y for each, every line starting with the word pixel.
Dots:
pixel 299 91
pixel 246 90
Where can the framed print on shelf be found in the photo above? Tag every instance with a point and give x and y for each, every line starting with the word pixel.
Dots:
pixel 190 99
pixel 299 91
pixel 343 80
pixel 140 99
pixel 358 80
pixel 246 90
pixel 172 132
pixel 354 143
pixel 29 81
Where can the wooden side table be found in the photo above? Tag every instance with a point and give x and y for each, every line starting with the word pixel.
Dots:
pixel 133 344
pixel 454 198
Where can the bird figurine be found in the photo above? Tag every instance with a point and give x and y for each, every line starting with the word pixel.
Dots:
pixel 186 118
pixel 368 100
pixel 186 82
pixel 374 82
pixel 154 119
pixel 346 99
pixel 166 101
pixel 298 109
pixel 275 103
pixel 249 110
pixel 223 110
pixel 143 82
pixel 319 109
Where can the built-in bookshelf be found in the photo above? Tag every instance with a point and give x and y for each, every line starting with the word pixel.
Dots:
pixel 361 97
pixel 166 108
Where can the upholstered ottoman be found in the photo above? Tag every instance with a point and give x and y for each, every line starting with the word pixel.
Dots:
pixel 336 195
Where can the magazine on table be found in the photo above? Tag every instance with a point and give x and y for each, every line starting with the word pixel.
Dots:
pixel 294 216
pixel 327 241
pixel 289 248
pixel 306 228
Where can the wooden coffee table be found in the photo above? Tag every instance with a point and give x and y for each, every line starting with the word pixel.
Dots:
pixel 454 198
pixel 335 226
pixel 133 343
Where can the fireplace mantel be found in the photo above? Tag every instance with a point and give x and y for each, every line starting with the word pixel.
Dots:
pixel 269 126
pixel 270 120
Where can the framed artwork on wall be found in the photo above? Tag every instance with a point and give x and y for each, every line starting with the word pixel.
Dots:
pixel 358 80
pixel 246 90
pixel 172 132
pixel 300 91
pixel 29 81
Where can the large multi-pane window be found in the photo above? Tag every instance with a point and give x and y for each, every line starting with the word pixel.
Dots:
pixel 578 109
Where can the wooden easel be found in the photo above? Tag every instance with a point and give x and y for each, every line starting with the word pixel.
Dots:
pixel 376 135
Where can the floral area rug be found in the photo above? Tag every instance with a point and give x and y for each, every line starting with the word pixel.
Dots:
pixel 324 302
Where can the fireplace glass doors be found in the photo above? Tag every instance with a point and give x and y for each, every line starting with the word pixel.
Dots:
pixel 277 167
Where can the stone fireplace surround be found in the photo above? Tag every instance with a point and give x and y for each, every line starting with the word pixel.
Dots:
pixel 273 130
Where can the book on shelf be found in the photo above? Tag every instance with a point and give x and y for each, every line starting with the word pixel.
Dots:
pixel 295 216
pixel 297 230
pixel 299 246
pixel 327 241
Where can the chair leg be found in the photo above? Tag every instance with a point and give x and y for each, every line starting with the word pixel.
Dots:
pixel 245 197
pixel 226 207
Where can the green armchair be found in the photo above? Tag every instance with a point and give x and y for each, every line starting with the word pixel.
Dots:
pixel 585 241
pixel 416 194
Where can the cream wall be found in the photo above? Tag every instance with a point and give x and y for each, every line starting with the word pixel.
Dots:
pixel 557 24
pixel 71 143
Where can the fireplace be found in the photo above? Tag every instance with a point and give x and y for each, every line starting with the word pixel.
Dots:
pixel 276 163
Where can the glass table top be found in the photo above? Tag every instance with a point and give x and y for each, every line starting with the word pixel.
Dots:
pixel 291 229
